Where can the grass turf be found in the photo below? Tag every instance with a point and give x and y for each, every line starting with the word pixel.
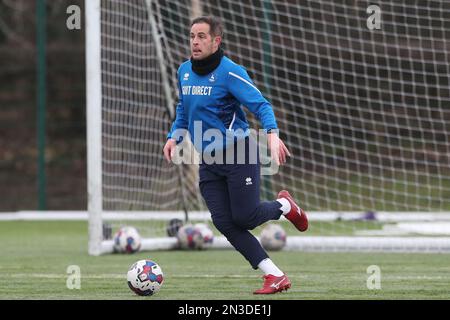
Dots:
pixel 35 256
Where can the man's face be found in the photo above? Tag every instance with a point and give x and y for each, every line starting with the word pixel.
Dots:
pixel 202 44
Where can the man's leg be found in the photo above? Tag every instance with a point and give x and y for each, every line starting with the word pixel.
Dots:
pixel 248 211
pixel 214 190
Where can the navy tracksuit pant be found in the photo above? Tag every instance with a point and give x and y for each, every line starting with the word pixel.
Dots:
pixel 231 192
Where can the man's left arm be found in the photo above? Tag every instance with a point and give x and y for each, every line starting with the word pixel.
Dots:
pixel 244 90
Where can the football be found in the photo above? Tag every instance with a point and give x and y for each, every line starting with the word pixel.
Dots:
pixel 127 240
pixel 145 277
pixel 207 233
pixel 273 237
pixel 190 237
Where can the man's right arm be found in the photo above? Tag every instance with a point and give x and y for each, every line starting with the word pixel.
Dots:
pixel 180 121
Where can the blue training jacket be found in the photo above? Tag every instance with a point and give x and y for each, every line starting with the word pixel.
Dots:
pixel 216 100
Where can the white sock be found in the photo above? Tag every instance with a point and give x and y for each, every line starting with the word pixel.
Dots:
pixel 268 267
pixel 285 206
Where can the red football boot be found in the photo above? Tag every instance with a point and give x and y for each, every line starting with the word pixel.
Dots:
pixel 297 215
pixel 274 284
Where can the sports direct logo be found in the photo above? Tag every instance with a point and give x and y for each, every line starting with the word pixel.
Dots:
pixel 233 147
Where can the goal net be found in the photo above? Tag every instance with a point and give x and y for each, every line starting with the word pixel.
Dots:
pixel 362 99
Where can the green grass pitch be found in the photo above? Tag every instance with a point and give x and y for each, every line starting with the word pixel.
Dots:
pixel 35 256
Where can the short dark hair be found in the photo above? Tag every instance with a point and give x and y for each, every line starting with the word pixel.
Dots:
pixel 215 25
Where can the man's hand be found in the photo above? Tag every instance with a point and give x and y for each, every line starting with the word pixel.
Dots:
pixel 278 150
pixel 169 149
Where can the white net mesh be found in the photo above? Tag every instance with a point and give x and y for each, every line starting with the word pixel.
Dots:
pixel 366 113
pixel 135 114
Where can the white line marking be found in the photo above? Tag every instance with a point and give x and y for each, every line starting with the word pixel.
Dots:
pixel 242 79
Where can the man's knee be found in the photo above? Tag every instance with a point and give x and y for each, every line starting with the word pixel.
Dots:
pixel 224 226
pixel 244 221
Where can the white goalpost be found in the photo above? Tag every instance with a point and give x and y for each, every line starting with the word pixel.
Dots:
pixel 365 112
pixel 94 126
